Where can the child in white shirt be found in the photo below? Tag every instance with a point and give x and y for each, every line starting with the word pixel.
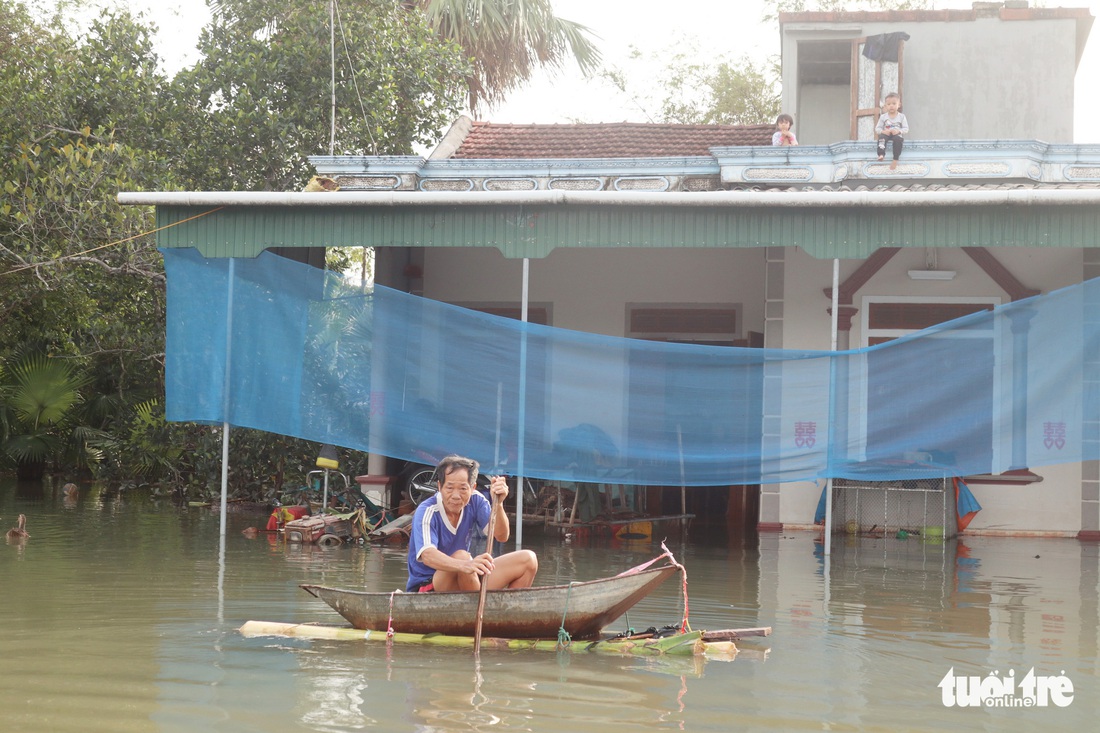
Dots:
pixel 892 125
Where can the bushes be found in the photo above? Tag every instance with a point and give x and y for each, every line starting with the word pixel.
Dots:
pixel 184 460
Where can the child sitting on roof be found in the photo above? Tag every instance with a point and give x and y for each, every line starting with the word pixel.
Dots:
pixel 892 125
pixel 783 134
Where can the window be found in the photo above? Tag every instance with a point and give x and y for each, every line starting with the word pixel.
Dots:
pixel 539 314
pixel 695 324
pixel 888 319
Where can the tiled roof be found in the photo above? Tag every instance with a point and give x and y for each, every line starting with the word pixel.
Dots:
pixel 487 140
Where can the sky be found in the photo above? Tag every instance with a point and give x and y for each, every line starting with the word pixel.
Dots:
pixel 716 27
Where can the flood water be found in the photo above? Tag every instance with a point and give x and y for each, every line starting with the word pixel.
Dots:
pixel 121 614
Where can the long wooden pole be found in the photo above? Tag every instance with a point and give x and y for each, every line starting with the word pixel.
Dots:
pixel 485 578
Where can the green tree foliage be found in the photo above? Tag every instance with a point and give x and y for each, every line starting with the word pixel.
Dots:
pixel 84 114
pixel 75 128
pixel 41 416
pixel 262 465
pixel 185 460
pixel 507 40
pixel 683 86
pixel 261 95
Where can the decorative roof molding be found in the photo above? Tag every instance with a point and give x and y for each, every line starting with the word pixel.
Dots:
pixel 698 165
pixel 923 160
pixel 341 165
pixel 848 163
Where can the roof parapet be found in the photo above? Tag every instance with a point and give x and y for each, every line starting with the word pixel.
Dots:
pixel 848 163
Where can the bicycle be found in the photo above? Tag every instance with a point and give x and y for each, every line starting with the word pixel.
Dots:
pixel 420 483
pixel 313 493
pixel 346 502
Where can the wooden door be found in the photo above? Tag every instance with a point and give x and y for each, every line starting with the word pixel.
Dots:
pixel 871 80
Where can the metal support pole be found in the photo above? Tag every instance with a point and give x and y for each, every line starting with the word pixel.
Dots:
pixel 832 412
pixel 521 432
pixel 225 394
pixel 332 66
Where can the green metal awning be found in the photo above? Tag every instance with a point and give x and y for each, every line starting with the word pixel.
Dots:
pixel 533 230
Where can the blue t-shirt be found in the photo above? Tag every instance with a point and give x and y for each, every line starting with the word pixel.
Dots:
pixel 431 528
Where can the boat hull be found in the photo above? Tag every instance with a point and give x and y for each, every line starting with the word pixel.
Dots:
pixel 516 613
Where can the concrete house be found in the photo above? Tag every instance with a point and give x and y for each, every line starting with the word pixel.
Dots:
pixel 996 71
pixel 707 234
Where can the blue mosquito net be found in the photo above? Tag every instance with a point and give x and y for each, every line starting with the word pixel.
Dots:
pixel 275 345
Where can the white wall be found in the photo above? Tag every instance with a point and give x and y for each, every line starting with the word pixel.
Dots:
pixel 980 79
pixel 823 115
pixel 1050 506
pixel 806 319
pixel 990 79
pixel 589 289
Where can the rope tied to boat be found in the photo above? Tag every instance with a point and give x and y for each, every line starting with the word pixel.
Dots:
pixel 684 626
pixel 389 623
pixel 564 639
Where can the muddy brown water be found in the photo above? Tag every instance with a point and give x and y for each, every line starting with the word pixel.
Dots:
pixel 122 614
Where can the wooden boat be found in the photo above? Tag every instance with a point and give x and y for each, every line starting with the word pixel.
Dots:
pixel 583 609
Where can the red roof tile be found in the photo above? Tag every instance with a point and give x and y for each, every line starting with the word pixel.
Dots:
pixel 488 140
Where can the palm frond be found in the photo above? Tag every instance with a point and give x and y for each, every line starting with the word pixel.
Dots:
pixel 508 39
pixel 43 391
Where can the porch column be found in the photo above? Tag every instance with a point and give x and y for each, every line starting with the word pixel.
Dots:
pixel 1090 470
pixel 845 314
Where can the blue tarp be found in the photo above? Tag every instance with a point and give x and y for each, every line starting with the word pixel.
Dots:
pixel 272 344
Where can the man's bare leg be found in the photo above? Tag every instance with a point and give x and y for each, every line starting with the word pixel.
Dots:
pixel 444 580
pixel 511 570
pixel 514 570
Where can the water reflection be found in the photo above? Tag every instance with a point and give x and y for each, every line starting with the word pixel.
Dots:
pixel 121 614
pixel 450 690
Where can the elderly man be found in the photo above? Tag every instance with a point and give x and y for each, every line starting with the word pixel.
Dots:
pixel 440 555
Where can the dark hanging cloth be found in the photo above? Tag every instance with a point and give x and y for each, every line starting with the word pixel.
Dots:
pixel 884 46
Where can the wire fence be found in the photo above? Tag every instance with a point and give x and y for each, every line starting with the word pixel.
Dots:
pixel 919 507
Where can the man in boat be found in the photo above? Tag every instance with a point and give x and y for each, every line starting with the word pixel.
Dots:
pixel 440 553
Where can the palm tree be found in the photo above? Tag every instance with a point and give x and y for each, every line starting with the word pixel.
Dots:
pixel 40 400
pixel 507 40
